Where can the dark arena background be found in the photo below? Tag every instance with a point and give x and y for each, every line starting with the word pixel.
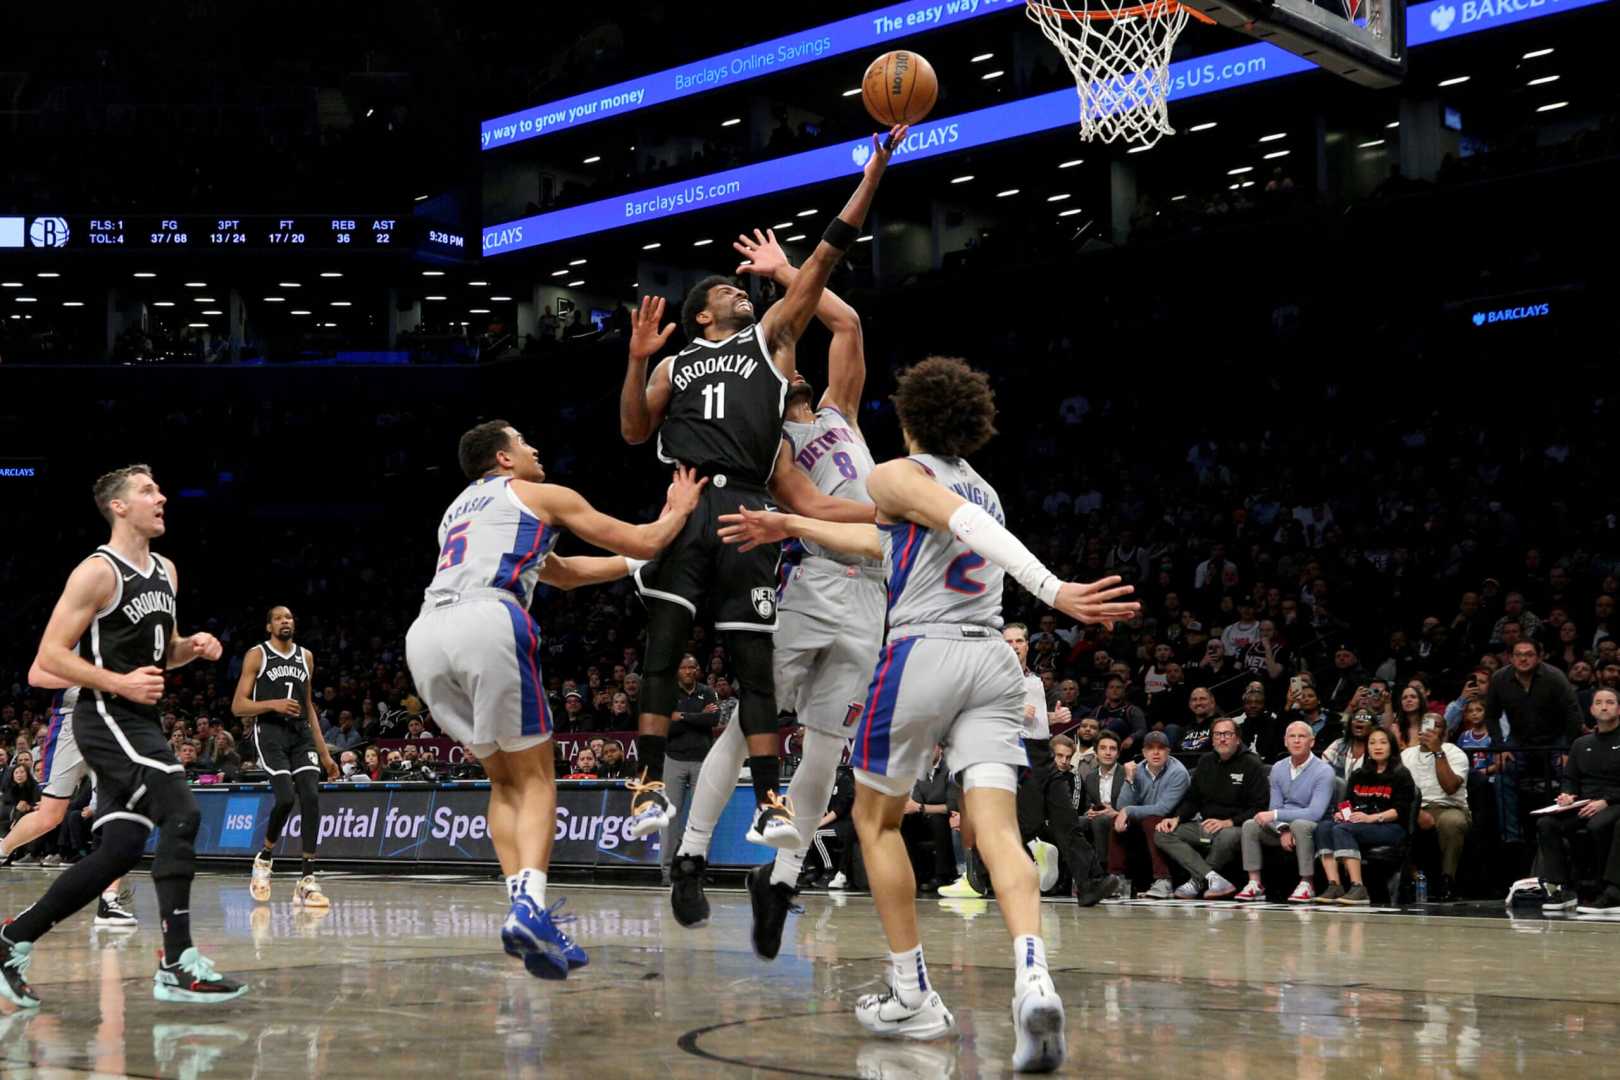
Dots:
pixel 1326 376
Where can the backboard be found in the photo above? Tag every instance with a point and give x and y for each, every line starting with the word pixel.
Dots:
pixel 1360 40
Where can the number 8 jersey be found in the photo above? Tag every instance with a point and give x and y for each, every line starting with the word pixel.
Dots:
pixel 133 630
pixel 934 578
pixel 488 539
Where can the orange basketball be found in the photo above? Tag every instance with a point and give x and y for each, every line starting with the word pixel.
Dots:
pixel 899 88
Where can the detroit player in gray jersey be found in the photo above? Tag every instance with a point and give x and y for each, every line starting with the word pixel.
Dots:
pixel 474 651
pixel 830 621
pixel 946 677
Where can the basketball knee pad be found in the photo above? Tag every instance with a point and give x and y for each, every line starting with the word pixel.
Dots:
pixel 309 800
pixel 668 626
pixel 308 789
pixel 751 655
pixel 990 774
pixel 178 819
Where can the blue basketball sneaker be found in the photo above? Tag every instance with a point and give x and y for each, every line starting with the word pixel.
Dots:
pixel 533 933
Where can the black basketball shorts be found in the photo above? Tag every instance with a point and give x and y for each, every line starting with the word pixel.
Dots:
pixel 702 573
pixel 285 749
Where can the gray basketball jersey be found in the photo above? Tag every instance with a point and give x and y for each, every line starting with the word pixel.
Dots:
pixel 830 449
pixel 933 578
pixel 489 540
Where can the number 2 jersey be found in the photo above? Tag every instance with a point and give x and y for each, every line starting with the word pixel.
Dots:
pixel 933 577
pixel 132 631
pixel 488 539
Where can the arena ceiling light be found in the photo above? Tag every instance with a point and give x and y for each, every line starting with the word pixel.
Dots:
pixel 288 285
pixel 705 242
pixel 341 303
pixel 1369 144
pixel 1071 163
pixel 807 213
pixel 981 58
pixel 992 75
pixel 783 225
pixel 1205 126
pixel 203 300
pixel 221 313
pixel 11 284
pixel 1392 125
pixel 1139 149
pixel 1274 136
pixel 197 325
pixel 962 179
pixel 298 312
pixel 275 299
pixel 1240 170
pixel 850 93
pixel 576 284
pixel 163 303
pixel 654 246
pixel 1550 108
pixel 864 239
pixel 795 238
pixel 435 298
pixel 73 303
pixel 27 300
pixel 500 299
pixel 420 198
pixel 1455 80
pixel 433 273
pixel 1009 192
pixel 1543 81
pixel 577 262
pixel 1059 197
pixel 558 273
pixel 330 274
pixel 1248 183
pixel 477 284
pixel 478 311
pixel 1278 154
pixel 145 274
pixel 1177 198
pixel 54 274
pixel 592 160
pixel 733 122
pixel 1535 53
pixel 1071 213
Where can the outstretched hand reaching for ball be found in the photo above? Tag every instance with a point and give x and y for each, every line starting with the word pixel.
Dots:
pixel 883 149
pixel 764 256
pixel 645 337
pixel 1097 601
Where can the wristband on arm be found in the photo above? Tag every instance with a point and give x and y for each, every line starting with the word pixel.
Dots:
pixel 841 234
pixel 981 532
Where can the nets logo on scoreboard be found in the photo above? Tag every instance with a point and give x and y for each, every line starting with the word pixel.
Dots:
pixel 48 232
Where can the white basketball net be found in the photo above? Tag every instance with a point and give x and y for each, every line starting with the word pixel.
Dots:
pixel 1120 56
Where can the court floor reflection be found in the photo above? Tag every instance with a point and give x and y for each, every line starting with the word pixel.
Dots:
pixel 405 978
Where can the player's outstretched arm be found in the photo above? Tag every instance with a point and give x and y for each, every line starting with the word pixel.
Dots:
pixel 642 404
pixel 750 528
pixel 184 648
pixel 794 490
pixel 903 493
pixel 577 571
pixel 846 356
pixel 568 508
pixel 90 588
pixel 788 318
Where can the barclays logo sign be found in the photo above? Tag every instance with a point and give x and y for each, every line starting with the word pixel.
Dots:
pixel 1442 17
pixel 1463 15
pixel 1512 314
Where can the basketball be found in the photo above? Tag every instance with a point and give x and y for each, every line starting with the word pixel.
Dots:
pixel 899 88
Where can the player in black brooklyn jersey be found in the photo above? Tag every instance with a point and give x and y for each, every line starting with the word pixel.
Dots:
pixel 717 407
pixel 275 690
pixel 113 634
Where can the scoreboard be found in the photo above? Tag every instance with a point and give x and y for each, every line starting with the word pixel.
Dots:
pixel 211 232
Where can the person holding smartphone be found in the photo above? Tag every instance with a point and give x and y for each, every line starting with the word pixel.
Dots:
pixel 1440 770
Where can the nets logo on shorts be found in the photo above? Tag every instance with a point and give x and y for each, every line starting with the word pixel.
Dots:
pixel 236 830
pixel 764 601
pixel 853 716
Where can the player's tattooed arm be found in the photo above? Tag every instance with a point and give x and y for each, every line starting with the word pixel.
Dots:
pixel 786 320
pixel 643 402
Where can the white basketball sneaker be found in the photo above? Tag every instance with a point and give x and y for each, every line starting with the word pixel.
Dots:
pixel 884 1014
pixel 259 887
pixel 773 824
pixel 307 893
pixel 649 807
pixel 1038 1020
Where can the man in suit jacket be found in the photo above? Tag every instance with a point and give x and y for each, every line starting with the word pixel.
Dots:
pixel 1104 791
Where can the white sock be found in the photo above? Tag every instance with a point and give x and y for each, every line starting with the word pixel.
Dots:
pixel 1029 953
pixel 809 791
pixel 530 883
pixel 910 976
pixel 715 783
pixel 111 895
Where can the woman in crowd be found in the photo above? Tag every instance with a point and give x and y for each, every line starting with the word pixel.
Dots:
pixel 1409 716
pixel 1380 797
pixel 372 763
pixel 1347 753
pixel 20 793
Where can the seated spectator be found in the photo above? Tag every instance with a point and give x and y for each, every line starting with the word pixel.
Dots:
pixel 372 763
pixel 188 760
pixel 1306 708
pixel 1379 797
pixel 584 767
pixel 1218 673
pixel 1475 688
pixel 1258 727
pixel 394 768
pixel 1194 736
pixel 1440 770
pixel 574 717
pixel 1410 711
pixel 1340 683
pixel 1301 793
pixel 926 827
pixel 1347 752
pixel 1169 705
pixel 611 765
pixel 1101 793
pixel 1592 774
pixel 1158 785
pixel 219 755
pixel 344 735
pixel 1063 754
pixel 1085 745
pixel 1227 788
pixel 1119 716
pixel 18 796
pixel 415 729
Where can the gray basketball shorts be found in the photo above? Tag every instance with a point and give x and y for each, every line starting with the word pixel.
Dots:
pixel 828 635
pixel 939 683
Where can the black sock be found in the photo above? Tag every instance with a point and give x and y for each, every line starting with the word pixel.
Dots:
pixel 767 773
pixel 269 859
pixel 306 866
pixel 650 749
pixel 84 881
pixel 174 906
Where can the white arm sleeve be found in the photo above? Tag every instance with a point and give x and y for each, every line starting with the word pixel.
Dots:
pixel 979 531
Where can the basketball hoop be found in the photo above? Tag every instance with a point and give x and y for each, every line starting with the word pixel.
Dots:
pixel 1119 51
